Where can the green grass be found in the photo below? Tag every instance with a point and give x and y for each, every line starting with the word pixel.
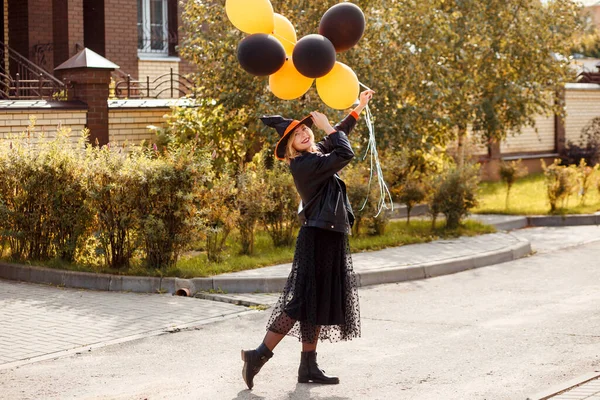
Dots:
pixel 196 264
pixel 398 233
pixel 529 197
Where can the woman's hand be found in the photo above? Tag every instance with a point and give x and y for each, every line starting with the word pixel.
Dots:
pixel 364 99
pixel 322 122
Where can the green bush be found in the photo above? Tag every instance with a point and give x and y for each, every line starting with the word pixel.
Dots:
pixel 206 124
pixel 412 192
pixel 454 193
pixel 250 200
pixel 587 179
pixel 114 197
pixel 218 214
pixel 43 210
pixel 588 147
pixel 100 206
pixel 364 200
pixel 356 178
pixel 168 188
pixel 409 171
pixel 561 182
pixel 280 213
pixel 510 172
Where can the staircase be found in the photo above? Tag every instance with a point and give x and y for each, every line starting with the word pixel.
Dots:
pixel 29 80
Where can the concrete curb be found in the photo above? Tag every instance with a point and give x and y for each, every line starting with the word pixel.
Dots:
pixel 564 387
pixel 563 220
pixel 518 223
pixel 144 284
pixel 445 267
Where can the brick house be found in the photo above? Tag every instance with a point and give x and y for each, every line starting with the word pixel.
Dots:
pixel 48 32
pixel 139 36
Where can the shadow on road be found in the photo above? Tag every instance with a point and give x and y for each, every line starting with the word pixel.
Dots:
pixel 302 392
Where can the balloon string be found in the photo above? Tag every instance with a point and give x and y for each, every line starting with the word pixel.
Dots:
pixel 282 38
pixel 363 85
pixel 384 192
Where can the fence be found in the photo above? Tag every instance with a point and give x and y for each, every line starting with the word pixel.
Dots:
pixel 171 84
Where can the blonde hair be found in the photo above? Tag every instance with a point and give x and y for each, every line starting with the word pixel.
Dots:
pixel 291 152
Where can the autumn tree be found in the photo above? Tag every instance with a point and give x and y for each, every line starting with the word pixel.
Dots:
pixel 503 62
pixel 439 67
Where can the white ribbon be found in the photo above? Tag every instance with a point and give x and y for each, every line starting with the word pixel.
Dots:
pixel 371 151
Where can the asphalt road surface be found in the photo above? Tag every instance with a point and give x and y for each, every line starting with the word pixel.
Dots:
pixel 500 332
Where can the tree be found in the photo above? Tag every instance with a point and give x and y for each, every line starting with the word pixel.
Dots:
pixel 504 61
pixel 385 59
pixel 438 67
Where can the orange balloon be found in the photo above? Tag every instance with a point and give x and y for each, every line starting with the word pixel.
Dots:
pixel 285 32
pixel 288 83
pixel 339 89
pixel 251 16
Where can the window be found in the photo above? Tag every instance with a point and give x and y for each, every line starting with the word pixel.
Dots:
pixel 153 30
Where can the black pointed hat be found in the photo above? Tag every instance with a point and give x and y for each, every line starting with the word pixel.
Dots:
pixel 284 127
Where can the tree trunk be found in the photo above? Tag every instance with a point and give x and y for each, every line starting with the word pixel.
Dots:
pixel 460 154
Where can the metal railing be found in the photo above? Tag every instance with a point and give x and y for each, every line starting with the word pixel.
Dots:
pixel 170 85
pixel 25 80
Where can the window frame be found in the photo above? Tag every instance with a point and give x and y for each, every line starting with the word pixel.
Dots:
pixel 147 30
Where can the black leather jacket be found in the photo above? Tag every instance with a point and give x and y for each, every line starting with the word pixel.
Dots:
pixel 324 200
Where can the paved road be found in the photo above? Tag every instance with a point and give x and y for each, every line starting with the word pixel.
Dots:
pixel 500 332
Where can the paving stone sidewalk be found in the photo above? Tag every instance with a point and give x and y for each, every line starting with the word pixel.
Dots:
pixel 38 322
pixel 588 391
pixel 406 256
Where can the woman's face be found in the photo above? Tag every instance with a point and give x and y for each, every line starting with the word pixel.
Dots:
pixel 304 138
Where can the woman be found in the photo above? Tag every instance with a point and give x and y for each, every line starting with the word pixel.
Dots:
pixel 320 299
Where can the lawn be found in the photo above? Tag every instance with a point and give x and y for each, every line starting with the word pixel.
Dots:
pixel 398 233
pixel 196 264
pixel 528 197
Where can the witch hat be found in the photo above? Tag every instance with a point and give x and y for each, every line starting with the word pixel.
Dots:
pixel 284 127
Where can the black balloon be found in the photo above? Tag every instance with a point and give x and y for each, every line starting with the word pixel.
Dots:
pixel 343 24
pixel 314 56
pixel 261 54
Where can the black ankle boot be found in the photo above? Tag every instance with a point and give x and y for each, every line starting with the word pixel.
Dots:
pixel 309 370
pixel 253 362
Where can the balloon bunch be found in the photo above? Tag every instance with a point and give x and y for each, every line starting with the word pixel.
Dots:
pixel 272 49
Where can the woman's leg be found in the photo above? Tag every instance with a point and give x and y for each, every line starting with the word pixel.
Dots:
pixel 272 339
pixel 312 346
pixel 309 370
pixel 255 359
pixel 278 329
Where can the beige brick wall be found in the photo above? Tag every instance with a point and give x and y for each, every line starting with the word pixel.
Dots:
pixel 14 123
pixel 131 125
pixel 529 140
pixel 154 69
pixel 582 105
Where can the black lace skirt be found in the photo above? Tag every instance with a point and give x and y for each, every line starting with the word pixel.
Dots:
pixel 321 292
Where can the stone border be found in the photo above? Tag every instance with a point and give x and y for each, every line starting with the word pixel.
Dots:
pixel 563 220
pixel 145 284
pixel 565 386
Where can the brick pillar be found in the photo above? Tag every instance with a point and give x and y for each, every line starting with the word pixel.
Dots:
pixel 90 85
pixel 67 16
